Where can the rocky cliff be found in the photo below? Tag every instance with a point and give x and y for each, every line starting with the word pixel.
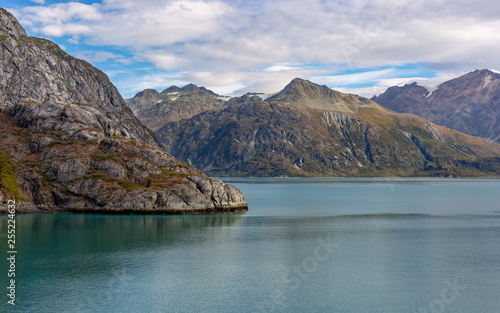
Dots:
pixel 154 109
pixel 311 130
pixel 469 103
pixel 69 142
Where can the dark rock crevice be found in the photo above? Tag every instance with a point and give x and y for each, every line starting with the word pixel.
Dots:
pixel 421 147
pixel 368 150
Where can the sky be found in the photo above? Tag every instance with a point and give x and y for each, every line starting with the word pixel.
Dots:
pixel 233 47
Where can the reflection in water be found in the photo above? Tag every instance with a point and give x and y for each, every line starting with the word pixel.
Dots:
pixel 110 232
pixel 88 260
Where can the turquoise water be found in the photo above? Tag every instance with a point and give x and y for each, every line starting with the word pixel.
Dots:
pixel 305 245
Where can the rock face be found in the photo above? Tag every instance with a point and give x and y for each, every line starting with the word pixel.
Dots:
pixel 69 142
pixel 311 130
pixel 154 109
pixel 469 103
pixel 48 91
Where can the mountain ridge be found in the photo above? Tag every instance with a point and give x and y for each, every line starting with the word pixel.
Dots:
pixel 308 130
pixel 155 108
pixel 469 103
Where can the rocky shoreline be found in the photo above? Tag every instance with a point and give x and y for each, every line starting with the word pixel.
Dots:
pixel 21 209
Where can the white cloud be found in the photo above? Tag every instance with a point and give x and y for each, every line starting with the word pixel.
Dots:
pixel 61 30
pixel 151 78
pixel 99 56
pixel 38 1
pixel 364 92
pixel 263 44
pixel 164 61
pixel 130 23
pixel 278 68
pixel 62 12
pixel 103 56
pixel 74 39
pixel 356 78
pixel 227 89
pixel 61 19
pixel 124 61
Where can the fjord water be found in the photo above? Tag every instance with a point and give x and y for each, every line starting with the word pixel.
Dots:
pixel 305 245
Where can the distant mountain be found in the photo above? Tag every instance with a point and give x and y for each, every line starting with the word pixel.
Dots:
pixel 311 130
pixel 305 93
pixel 469 103
pixel 68 141
pixel 154 109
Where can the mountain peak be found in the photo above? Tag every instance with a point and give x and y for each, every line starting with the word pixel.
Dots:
pixel 190 87
pixel 171 89
pixel 472 82
pixel 479 74
pixel 402 99
pixel 173 104
pixel 306 93
pixel 300 89
pixel 300 82
pixel 485 71
pixel 10 26
pixel 148 93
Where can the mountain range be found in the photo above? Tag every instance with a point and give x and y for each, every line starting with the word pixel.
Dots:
pixel 172 104
pixel 469 103
pixel 70 143
pixel 311 130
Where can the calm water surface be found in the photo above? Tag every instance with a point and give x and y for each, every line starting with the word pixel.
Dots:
pixel 305 245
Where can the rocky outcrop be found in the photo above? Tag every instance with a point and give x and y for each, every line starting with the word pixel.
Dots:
pixel 69 142
pixel 311 130
pixel 469 103
pixel 154 109
pixel 48 91
pixel 10 26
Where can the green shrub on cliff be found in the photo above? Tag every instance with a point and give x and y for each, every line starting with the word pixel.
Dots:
pixel 8 175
